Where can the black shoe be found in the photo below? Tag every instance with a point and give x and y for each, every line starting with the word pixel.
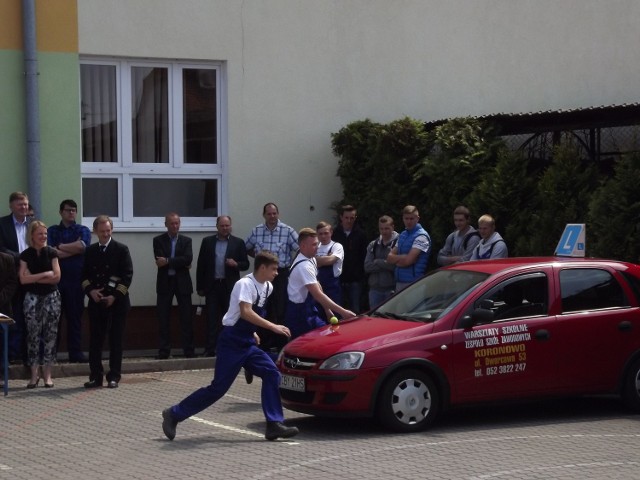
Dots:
pixel 112 384
pixel 280 430
pixel 189 355
pixel 248 376
pixel 93 384
pixel 169 424
pixel 209 353
pixel 162 356
pixel 81 359
pixel 35 384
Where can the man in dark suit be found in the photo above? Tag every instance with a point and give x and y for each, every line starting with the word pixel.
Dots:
pixel 222 257
pixel 8 283
pixel 106 277
pixel 8 287
pixel 173 254
pixel 13 240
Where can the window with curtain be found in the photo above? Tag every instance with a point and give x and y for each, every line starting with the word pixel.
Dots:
pixel 151 141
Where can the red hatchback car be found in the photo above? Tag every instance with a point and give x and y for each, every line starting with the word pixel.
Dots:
pixel 475 332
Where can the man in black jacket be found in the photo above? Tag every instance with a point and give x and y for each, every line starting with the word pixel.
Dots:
pixel 8 287
pixel 173 255
pixel 222 257
pixel 13 240
pixel 106 276
pixel 354 241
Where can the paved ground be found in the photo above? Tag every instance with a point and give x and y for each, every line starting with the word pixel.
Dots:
pixel 72 433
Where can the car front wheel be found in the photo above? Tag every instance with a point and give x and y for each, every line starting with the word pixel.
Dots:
pixel 408 402
pixel 631 392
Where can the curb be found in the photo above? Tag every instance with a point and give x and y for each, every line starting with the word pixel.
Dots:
pixel 129 366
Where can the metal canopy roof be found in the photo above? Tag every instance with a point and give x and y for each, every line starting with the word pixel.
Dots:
pixel 560 120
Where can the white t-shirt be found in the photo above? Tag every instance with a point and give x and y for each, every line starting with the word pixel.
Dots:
pixel 422 243
pixel 305 273
pixel 246 290
pixel 336 251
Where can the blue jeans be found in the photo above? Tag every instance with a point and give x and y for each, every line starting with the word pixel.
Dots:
pixel 376 297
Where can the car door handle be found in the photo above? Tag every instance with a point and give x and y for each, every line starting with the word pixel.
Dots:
pixel 542 335
pixel 625 326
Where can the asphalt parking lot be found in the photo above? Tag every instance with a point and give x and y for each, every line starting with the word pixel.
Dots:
pixel 72 433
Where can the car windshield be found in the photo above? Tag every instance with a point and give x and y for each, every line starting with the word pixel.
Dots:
pixel 431 297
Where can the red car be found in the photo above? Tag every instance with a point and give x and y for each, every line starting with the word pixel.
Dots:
pixel 475 332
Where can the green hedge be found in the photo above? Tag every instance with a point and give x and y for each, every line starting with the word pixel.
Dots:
pixel 384 167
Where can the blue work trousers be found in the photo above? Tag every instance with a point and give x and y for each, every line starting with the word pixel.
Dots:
pixel 236 349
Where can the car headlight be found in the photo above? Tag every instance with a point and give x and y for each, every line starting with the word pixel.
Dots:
pixel 343 361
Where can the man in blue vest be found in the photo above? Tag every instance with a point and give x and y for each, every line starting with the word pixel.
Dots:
pixel 411 253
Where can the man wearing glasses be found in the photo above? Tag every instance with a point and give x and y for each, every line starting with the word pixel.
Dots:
pixel 70 240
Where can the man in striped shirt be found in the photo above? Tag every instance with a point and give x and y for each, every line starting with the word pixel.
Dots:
pixel 281 240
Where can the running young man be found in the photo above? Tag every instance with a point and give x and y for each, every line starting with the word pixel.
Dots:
pixel 237 348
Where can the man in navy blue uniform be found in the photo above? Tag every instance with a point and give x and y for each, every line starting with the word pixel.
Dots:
pixel 106 277
pixel 237 348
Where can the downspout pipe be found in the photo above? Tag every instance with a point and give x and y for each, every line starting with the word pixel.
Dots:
pixel 34 170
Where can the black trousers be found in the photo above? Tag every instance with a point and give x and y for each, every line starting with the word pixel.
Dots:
pixel 217 302
pixel 164 303
pixel 102 322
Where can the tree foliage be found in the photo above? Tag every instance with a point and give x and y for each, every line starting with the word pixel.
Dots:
pixel 463 161
pixel 614 214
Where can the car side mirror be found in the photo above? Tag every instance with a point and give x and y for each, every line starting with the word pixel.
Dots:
pixel 484 313
pixel 465 322
pixel 487 304
pixel 481 315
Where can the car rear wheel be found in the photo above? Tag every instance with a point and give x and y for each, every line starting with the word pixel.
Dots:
pixel 408 402
pixel 631 392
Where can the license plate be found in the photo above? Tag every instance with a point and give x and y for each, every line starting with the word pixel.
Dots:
pixel 289 382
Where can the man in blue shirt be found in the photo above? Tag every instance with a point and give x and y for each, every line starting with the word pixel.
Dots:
pixel 70 240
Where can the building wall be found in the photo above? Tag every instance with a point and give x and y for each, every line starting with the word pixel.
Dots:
pixel 298 70
pixel 57 44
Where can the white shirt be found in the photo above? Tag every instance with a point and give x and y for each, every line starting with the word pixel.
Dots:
pixel 246 290
pixel 21 234
pixel 336 251
pixel 303 274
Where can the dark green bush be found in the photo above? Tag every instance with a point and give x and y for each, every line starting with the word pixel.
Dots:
pixel 385 167
pixel 613 228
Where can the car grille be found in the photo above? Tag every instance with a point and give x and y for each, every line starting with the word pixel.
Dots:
pixel 298 397
pixel 298 363
pixel 333 398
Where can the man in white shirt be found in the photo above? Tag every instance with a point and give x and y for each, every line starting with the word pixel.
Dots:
pixel 304 289
pixel 237 348
pixel 329 259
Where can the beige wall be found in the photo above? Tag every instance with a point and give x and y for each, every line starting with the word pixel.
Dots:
pixel 299 70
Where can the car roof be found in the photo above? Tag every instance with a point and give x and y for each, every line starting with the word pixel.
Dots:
pixel 493 266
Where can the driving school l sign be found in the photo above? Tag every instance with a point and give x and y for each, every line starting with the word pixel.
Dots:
pixel 572 242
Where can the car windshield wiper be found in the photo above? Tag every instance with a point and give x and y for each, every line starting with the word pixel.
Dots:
pixel 395 316
pixel 381 314
pixel 414 319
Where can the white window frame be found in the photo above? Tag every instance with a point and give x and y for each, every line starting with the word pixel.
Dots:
pixel 126 171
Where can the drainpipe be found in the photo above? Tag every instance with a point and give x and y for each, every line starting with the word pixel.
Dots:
pixel 34 172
